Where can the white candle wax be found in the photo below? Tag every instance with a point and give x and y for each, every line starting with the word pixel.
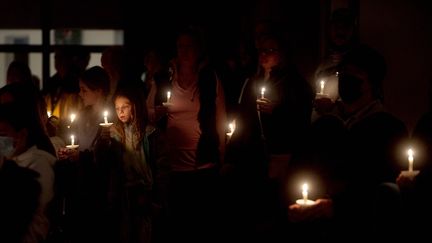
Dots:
pixel 305 188
pixel 72 140
pixel 410 160
pixel 105 117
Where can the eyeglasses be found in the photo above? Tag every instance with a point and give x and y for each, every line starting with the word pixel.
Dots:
pixel 268 51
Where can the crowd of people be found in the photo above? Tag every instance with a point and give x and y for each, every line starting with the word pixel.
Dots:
pixel 101 154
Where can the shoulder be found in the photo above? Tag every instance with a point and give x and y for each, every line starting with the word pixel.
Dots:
pixel 385 122
pixel 36 156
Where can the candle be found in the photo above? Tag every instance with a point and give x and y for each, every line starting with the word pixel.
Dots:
pixel 72 117
pixel 410 160
pixel 105 115
pixel 322 83
pixel 168 96
pixel 231 127
pixel 304 201
pixel 72 145
pixel 305 188
pixel 263 89
pixel 49 114
pixel 105 123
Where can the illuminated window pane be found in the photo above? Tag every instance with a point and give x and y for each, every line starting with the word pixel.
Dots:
pixel 86 37
pixel 20 37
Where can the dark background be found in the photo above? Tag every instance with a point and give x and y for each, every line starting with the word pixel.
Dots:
pixel 401 30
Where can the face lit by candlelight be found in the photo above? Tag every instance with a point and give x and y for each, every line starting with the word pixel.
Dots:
pixel 123 108
pixel 269 53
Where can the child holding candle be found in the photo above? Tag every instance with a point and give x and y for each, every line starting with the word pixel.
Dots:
pixel 136 178
pixel 94 88
pixel 86 170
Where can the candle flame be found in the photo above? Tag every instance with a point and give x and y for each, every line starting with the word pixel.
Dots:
pixel 305 187
pixel 72 117
pixel 410 152
pixel 322 83
pixel 232 127
pixel 263 89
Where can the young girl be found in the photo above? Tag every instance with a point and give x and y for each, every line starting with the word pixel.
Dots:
pixel 129 134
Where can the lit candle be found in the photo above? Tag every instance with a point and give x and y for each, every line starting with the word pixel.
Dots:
pixel 105 115
pixel 49 114
pixel 304 201
pixel 410 160
pixel 322 83
pixel 168 96
pixel 263 89
pixel 72 140
pixel 305 189
pixel 72 117
pixel 231 127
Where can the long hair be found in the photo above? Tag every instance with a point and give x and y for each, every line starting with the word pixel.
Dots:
pixel 138 110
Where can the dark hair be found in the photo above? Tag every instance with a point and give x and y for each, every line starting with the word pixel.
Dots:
pixel 19 72
pixel 197 35
pixel 96 78
pixel 344 16
pixel 370 61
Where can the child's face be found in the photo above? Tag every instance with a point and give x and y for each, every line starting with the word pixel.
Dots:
pixel 123 108
pixel 88 96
